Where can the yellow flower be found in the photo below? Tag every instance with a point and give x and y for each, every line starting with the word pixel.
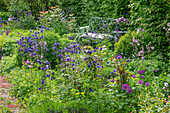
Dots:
pixel 82 93
pixel 77 93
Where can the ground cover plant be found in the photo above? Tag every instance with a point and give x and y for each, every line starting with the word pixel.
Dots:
pixel 51 72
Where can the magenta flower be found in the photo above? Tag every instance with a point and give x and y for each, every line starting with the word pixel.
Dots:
pixel 133 76
pixel 129 91
pixel 30 66
pixel 142 77
pixel 26 61
pixel 119 57
pixel 141 72
pixel 7 32
pixel 125 86
pixel 147 84
pixel 140 82
pixel 113 80
pixel 155 70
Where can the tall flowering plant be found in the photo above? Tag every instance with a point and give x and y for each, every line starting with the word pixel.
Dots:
pixel 122 24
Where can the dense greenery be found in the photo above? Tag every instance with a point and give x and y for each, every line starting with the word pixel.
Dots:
pixel 52 72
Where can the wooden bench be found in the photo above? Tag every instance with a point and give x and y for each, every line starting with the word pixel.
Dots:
pixel 101 29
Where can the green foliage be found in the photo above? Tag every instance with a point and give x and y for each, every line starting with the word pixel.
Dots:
pixel 152 16
pixel 51 37
pixel 123 45
pixel 7 64
pixel 85 9
pixel 4 16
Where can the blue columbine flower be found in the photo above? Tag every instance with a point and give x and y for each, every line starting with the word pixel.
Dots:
pixel 54 47
pixel 42 82
pixel 51 78
pixel 60 55
pixel 111 72
pixel 128 60
pixel 88 65
pixel 48 75
pixel 108 62
pixel 39 88
pixel 114 70
pixel 101 48
pixel 91 90
pixel 52 72
pixel 63 71
pixel 54 53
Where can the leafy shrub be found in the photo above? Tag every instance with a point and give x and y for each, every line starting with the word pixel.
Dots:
pixel 7 64
pixel 144 40
pixel 4 16
pixel 123 45
pixel 51 37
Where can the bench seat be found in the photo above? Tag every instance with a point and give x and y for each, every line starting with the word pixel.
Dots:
pixel 96 36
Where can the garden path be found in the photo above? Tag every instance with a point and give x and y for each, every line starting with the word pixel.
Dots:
pixel 7 103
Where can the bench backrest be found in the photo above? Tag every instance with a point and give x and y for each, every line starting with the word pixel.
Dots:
pixel 97 24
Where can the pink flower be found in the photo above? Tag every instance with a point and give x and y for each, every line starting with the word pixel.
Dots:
pixel 117 30
pixel 168 24
pixel 142 57
pixel 166 84
pixel 30 66
pixel 164 27
pixel 152 48
pixel 163 88
pixel 26 61
pixel 32 63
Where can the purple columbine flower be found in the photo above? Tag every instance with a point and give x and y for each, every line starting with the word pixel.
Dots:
pixel 114 70
pixel 140 82
pixel 108 62
pixel 51 78
pixel 111 72
pixel 7 32
pixel 101 48
pixel 125 86
pixel 147 84
pixel 142 77
pixel 128 60
pixel 133 76
pixel 129 91
pixel 39 88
